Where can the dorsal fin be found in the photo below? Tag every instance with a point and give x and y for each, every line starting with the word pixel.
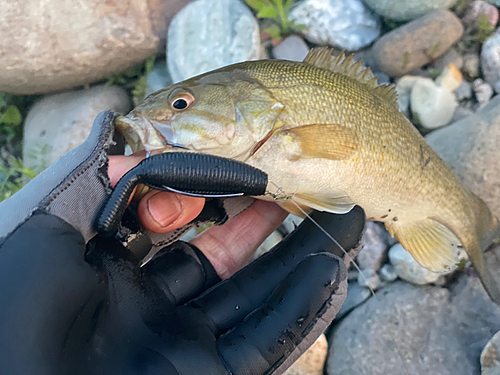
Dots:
pixel 322 57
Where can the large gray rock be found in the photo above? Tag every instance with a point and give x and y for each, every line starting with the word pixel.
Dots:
pixel 61 122
pixel 57 45
pixel 356 295
pixel 417 43
pixel 347 24
pixel 399 319
pixel 470 148
pixel 208 34
pixel 490 356
pixel 405 10
pixel 490 61
pixel 432 330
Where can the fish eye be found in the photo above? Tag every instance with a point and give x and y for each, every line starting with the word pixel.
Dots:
pixel 181 101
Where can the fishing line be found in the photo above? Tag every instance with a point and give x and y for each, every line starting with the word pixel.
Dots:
pixel 349 258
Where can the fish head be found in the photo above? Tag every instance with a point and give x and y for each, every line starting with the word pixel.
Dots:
pixel 223 113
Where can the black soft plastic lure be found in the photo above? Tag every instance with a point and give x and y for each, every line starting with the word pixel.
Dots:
pixel 182 172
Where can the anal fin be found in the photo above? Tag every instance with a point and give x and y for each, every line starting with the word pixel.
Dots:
pixel 431 244
pixel 337 203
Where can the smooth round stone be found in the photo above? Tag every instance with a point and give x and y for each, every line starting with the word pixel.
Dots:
pixel 208 34
pixel 58 123
pixel 405 10
pixel 347 24
pixel 417 43
pixel 432 105
pixel 58 45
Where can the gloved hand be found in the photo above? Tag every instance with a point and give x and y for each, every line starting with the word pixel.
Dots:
pixel 75 303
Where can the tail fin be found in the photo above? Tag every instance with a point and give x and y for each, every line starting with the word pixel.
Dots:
pixel 489 284
pixel 487 229
pixel 487 225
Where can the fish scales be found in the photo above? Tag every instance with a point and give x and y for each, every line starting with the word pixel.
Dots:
pixel 329 136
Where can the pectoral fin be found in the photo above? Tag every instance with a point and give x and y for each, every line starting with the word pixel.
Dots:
pixel 337 203
pixel 430 243
pixel 329 141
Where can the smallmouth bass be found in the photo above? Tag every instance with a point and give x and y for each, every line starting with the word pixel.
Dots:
pixel 331 138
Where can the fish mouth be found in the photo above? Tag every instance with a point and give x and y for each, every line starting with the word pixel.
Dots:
pixel 141 133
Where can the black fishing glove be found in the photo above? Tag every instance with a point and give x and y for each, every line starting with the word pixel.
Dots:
pixel 72 307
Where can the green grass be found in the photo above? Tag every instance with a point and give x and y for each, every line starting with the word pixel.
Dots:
pixel 134 79
pixel 276 13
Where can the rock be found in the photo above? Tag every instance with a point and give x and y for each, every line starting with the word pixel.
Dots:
pixel 356 295
pixel 477 9
pixel 408 269
pixel 470 148
pixel 292 48
pixel 407 10
pixel 433 106
pixel 461 113
pixel 374 252
pixel 58 123
pixel 464 91
pixel 490 356
pixel 368 340
pixel 471 65
pixel 312 361
pixel 347 24
pixel 490 60
pixel 59 45
pixel 207 35
pixel 417 43
pixel 369 278
pixel 483 91
pixel 159 78
pixel 451 78
pixel 388 273
pixel 450 57
pixel 432 330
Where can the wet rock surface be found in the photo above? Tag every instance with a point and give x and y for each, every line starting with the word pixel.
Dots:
pixel 347 24
pixel 417 43
pixel 58 45
pixel 207 35
pixel 60 122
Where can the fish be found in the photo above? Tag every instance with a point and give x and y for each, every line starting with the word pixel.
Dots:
pixel 330 138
